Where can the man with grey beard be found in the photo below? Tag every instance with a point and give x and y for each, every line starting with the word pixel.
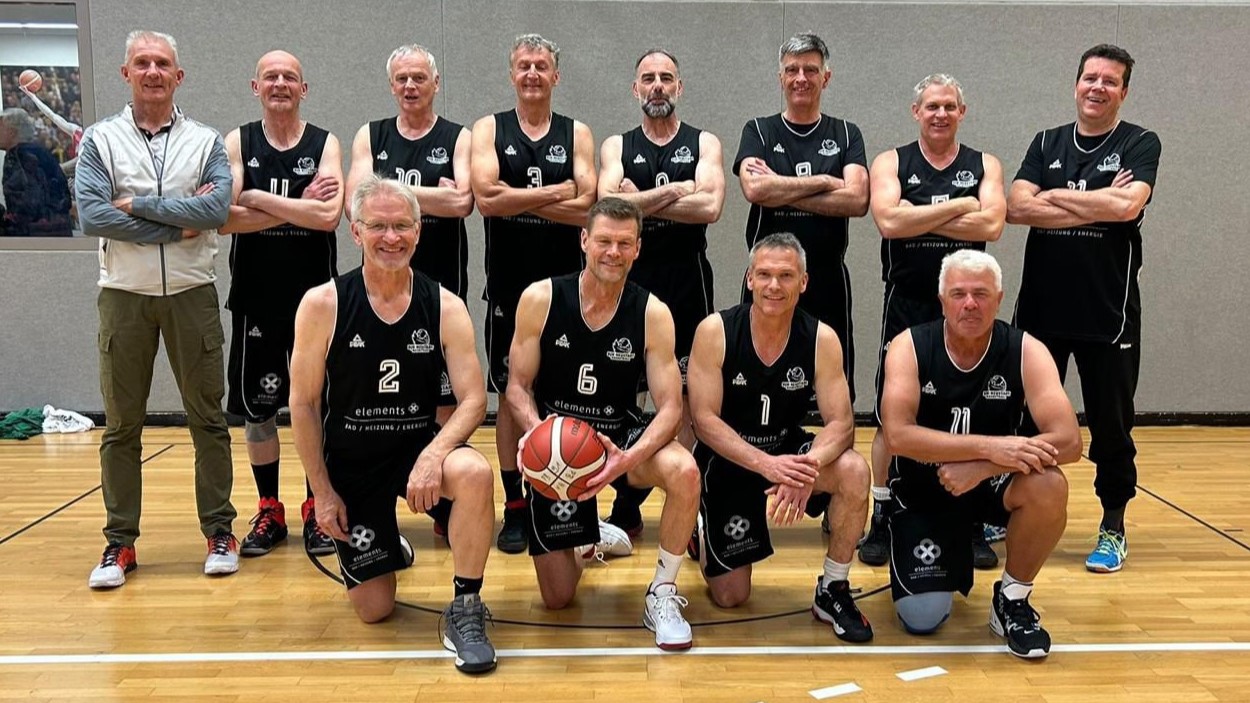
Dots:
pixel 672 172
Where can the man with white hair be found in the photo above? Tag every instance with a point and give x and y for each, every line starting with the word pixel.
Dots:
pixel 805 173
pixel 534 180
pixel 154 186
pixel 364 390
pixel 35 200
pixel 955 392
pixel 929 198
pixel 287 201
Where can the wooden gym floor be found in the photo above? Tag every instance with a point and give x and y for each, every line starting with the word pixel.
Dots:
pixel 1173 626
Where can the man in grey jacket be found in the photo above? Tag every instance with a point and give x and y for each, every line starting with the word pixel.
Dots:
pixel 154 185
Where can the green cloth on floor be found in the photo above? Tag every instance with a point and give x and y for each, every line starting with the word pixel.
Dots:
pixel 22 424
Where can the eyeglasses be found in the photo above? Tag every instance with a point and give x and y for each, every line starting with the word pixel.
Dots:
pixel 382 227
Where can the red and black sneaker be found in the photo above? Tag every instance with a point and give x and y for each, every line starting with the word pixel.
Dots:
pixel 316 541
pixel 118 560
pixel 268 529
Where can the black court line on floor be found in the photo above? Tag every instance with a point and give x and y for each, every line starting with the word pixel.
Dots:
pixel 39 520
pixel 591 626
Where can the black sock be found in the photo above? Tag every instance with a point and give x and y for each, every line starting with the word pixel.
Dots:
pixel 465 586
pixel 511 484
pixel 266 476
pixel 1113 520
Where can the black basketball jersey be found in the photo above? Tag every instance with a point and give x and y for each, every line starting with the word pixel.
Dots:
pixel 766 404
pixel 589 374
pixel 911 265
pixel 987 399
pixel 649 165
pixel 826 147
pixel 382 380
pixel 1081 282
pixel 270 270
pixel 443 251
pixel 521 249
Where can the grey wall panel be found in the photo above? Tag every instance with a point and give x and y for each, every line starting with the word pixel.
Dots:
pixel 1017 62
pixel 1013 89
pixel 1189 86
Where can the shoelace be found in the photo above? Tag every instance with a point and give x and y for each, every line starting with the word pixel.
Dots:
pixel 219 544
pixel 112 553
pixel 265 521
pixel 471 622
pixel 1021 615
pixel 670 606
pixel 1109 543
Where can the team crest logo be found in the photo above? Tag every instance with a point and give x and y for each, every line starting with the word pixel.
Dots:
pixel 1111 163
pixel 420 342
pixel 737 528
pixel 828 148
pixel 437 156
pixel 683 156
pixel 444 385
pixel 270 383
pixel 964 179
pixel 556 154
pixel 305 166
pixel 795 379
pixel 683 364
pixel 997 389
pixel 622 350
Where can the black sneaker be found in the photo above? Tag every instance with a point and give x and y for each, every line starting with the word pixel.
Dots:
pixel 983 555
pixel 316 542
pixel 1018 623
pixel 465 634
pixel 875 549
pixel 268 529
pixel 513 536
pixel 835 605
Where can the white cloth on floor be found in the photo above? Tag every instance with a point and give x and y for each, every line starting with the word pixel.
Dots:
pixel 55 421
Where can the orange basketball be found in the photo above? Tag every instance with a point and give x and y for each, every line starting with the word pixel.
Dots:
pixel 30 80
pixel 561 454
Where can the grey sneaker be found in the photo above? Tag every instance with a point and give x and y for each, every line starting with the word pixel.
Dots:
pixel 465 634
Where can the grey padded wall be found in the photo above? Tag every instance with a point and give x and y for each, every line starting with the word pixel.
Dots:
pixel 1017 62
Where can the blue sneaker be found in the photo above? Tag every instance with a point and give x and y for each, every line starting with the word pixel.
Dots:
pixel 994 533
pixel 1110 553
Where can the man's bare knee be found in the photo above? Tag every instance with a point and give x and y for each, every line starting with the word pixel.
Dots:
pixel 372 612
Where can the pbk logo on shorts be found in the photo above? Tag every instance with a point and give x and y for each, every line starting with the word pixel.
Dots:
pixel 556 154
pixel 927 552
pixel 564 510
pixel 361 538
pixel 737 528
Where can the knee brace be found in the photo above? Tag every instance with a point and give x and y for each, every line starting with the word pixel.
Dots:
pixel 923 613
pixel 260 431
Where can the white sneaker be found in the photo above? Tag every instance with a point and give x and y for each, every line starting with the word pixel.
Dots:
pixel 613 541
pixel 113 567
pixel 223 555
pixel 663 617
pixel 406 547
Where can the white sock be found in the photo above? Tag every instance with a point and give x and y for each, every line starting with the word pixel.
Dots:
pixel 835 571
pixel 1014 589
pixel 881 493
pixel 666 568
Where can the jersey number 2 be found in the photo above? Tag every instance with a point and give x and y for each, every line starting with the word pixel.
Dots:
pixel 389 383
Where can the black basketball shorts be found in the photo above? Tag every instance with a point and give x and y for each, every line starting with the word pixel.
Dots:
pixel 259 367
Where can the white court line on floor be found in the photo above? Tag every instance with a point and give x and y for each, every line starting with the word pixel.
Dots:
pixel 348 655
pixel 830 692
pixel 917 674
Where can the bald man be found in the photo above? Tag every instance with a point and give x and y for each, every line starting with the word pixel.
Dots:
pixel 287 200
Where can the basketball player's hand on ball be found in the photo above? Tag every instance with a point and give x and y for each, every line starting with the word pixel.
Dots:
pixel 331 515
pixel 788 503
pixel 794 470
pixel 525 438
pixel 615 463
pixel 425 481
pixel 959 477
pixel 324 188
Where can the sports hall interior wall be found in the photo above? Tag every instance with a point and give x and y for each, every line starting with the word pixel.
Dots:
pixel 1017 63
